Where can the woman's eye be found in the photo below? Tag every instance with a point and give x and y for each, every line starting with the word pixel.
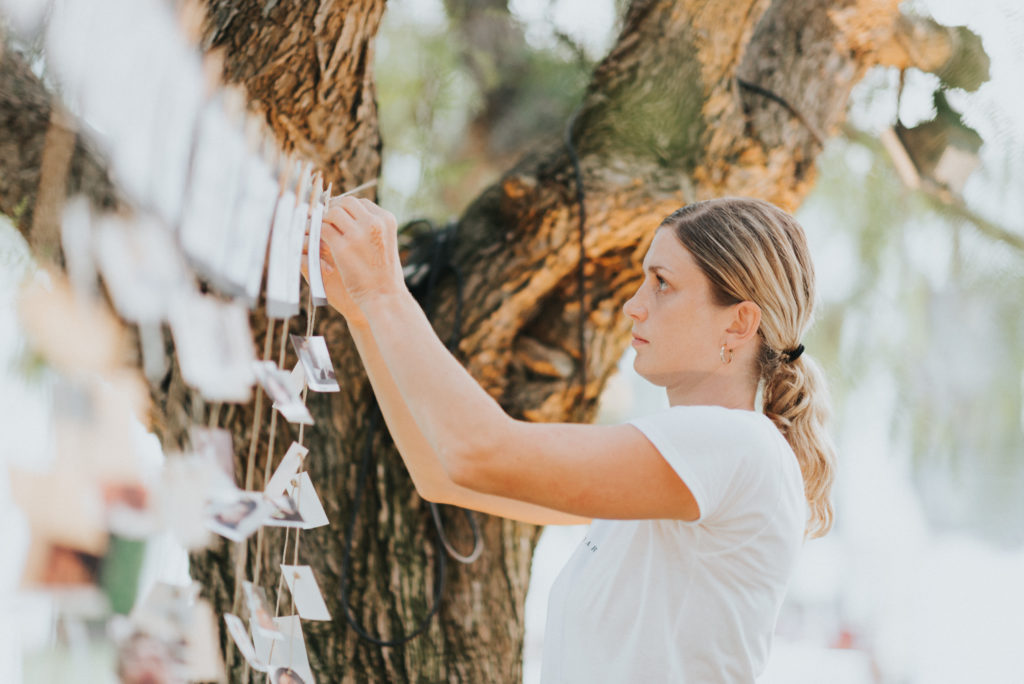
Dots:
pixel 661 283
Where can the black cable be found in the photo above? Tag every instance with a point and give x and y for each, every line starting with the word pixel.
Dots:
pixel 778 99
pixel 346 558
pixel 581 273
pixel 439 244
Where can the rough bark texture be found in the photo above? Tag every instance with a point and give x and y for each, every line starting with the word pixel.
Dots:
pixel 664 122
pixel 25 115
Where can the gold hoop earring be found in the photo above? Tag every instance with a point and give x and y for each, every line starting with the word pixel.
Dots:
pixel 721 355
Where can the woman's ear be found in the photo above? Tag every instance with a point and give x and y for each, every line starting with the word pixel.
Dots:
pixel 744 324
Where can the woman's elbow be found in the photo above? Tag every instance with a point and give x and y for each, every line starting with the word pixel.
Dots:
pixel 467 467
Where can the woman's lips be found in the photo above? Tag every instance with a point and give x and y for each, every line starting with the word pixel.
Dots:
pixel 639 341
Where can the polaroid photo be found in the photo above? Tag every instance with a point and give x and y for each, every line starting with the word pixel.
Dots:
pixel 187 483
pixel 285 514
pixel 239 518
pixel 170 151
pixel 129 507
pixel 287 675
pixel 286 657
pixel 309 602
pixel 214 346
pixel 166 610
pixel 243 264
pixel 260 616
pixel 297 379
pixel 239 634
pixel 215 445
pixel 202 659
pixel 277 384
pixel 206 220
pixel 296 237
pixel 316 217
pixel 310 508
pixel 145 657
pixel 286 469
pixel 141 267
pixel 316 362
pixel 278 304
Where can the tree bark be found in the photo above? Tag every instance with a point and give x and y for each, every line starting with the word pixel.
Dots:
pixel 665 121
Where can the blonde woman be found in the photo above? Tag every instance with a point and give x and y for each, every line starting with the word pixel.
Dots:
pixel 698 513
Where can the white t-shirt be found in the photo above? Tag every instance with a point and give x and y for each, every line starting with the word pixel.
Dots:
pixel 686 602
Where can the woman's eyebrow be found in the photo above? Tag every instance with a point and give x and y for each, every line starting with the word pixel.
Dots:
pixel 655 268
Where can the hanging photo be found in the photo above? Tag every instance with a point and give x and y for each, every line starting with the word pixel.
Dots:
pixel 285 513
pixel 242 269
pixel 286 469
pixel 277 384
pixel 287 657
pixel 260 616
pixel 239 518
pixel 316 280
pixel 309 602
pixel 310 508
pixel 316 361
pixel 278 304
pixel 215 445
pixel 236 628
pixel 214 346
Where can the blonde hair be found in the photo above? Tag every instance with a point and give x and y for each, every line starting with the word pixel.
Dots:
pixel 751 250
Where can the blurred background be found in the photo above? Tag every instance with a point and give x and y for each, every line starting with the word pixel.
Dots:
pixel 918 326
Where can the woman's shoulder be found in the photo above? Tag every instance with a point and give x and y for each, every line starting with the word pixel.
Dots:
pixel 725 426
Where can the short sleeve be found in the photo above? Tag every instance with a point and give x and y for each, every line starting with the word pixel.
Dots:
pixel 709 447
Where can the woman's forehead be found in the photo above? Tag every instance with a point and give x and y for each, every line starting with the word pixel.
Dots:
pixel 667 253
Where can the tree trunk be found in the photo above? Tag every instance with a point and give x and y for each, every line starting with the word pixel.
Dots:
pixel 697 99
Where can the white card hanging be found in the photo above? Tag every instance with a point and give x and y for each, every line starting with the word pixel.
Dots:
pixel 203 662
pixel 278 305
pixel 297 379
pixel 180 103
pixel 254 216
pixel 286 470
pixel 310 508
pixel 277 384
pixel 204 220
pixel 285 514
pixel 240 517
pixel 215 445
pixel 260 618
pixel 309 602
pixel 296 236
pixel 238 632
pixel 141 267
pixel 316 360
pixel 316 279
pixel 214 345
pixel 288 655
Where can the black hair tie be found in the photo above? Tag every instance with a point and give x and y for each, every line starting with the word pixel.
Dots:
pixel 793 355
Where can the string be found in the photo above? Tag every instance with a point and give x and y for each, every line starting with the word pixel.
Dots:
pixel 241 552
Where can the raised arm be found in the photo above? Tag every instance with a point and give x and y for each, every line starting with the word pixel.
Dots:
pixel 428 475
pixel 583 470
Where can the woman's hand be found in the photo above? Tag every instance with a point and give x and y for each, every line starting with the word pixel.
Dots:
pixel 334 287
pixel 363 242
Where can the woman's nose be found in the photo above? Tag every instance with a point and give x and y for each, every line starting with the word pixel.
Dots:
pixel 633 309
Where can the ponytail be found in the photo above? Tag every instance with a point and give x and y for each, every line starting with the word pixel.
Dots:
pixel 795 398
pixel 750 250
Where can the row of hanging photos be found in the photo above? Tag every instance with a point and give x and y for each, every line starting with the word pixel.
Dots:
pixel 188 158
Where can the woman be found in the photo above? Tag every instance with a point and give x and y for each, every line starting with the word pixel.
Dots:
pixel 699 512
